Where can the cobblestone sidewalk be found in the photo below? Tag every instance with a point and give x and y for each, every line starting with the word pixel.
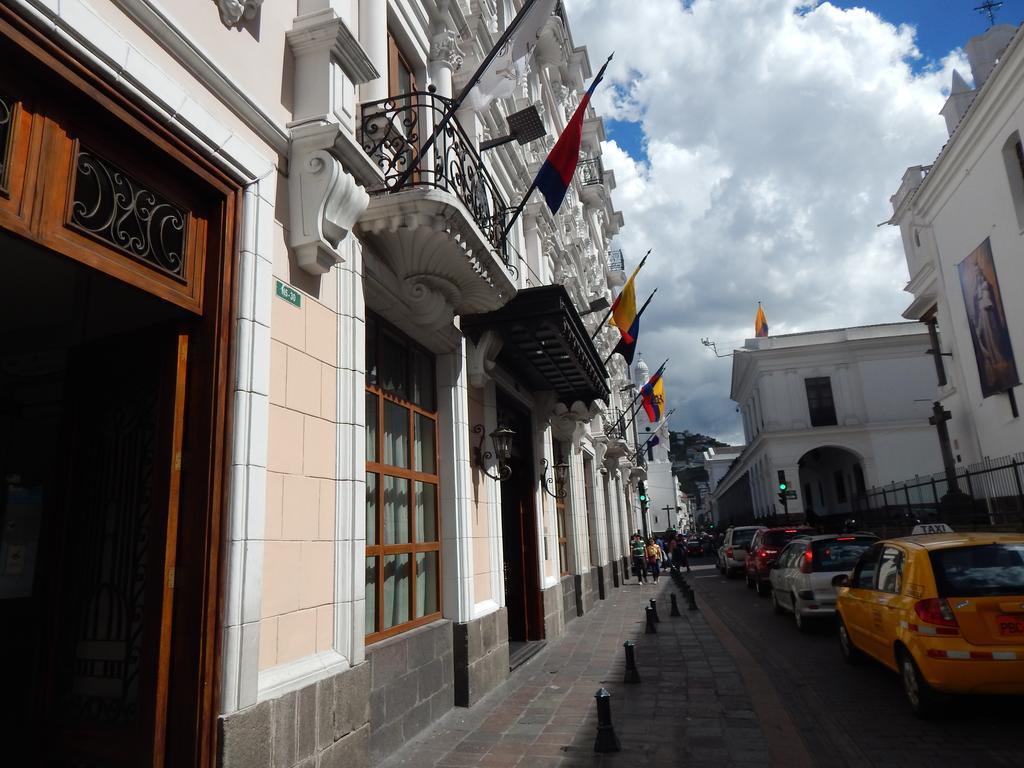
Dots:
pixel 690 707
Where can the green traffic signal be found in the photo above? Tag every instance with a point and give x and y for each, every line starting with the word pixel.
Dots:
pixel 783 486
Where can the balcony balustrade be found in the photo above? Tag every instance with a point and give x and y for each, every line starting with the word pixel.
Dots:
pixel 441 226
pixel 393 131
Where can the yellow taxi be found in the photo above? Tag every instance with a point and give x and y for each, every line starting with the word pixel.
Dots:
pixel 945 610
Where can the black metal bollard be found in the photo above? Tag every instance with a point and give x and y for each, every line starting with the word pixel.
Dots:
pixel 606 740
pixel 654 610
pixel 632 673
pixel 650 629
pixel 675 606
pixel 691 598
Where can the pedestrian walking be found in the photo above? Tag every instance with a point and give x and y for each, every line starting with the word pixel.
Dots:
pixel 679 556
pixel 636 548
pixel 655 554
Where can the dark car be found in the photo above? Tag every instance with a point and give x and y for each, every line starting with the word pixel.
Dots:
pixel 764 550
pixel 694 547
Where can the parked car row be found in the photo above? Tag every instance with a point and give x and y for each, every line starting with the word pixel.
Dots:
pixel 945 610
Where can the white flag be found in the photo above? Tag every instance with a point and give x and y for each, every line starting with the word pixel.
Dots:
pixel 499 79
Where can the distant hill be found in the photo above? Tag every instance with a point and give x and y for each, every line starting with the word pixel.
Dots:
pixel 686 448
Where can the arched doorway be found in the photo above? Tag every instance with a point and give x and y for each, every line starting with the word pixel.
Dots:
pixel 830 479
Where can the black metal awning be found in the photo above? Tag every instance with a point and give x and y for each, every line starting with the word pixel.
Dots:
pixel 545 344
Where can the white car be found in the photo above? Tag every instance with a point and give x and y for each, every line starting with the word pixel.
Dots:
pixel 802 575
pixel 732 555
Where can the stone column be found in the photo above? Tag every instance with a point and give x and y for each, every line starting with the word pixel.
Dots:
pixel 373 36
pixel 444 58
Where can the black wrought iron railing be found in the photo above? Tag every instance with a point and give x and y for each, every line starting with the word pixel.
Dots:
pixel 993 497
pixel 616 262
pixel 591 171
pixel 392 132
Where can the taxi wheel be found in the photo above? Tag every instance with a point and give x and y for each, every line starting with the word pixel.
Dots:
pixel 776 605
pixel 923 699
pixel 851 654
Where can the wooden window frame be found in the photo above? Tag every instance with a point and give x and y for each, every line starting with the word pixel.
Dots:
pixel 397 59
pixel 379 550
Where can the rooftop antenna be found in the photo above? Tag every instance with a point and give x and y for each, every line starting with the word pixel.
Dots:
pixel 989 8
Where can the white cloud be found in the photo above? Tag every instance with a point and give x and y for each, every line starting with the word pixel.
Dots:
pixel 776 131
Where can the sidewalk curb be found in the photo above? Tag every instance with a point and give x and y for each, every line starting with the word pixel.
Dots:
pixel 785 745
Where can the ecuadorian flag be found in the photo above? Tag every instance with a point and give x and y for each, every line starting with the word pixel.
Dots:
pixel 652 395
pixel 556 174
pixel 760 322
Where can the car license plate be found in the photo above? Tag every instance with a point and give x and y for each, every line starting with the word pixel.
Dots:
pixel 1011 625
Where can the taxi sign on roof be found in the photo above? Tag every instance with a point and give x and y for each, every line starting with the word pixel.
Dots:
pixel 925 528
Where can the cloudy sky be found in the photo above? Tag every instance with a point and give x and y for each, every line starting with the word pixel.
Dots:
pixel 755 144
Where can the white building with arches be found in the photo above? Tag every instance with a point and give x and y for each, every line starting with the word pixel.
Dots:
pixel 837 411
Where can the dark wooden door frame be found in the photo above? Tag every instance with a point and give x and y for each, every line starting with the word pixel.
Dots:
pixel 194 665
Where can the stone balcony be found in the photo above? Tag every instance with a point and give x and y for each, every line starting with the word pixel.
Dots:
pixel 439 228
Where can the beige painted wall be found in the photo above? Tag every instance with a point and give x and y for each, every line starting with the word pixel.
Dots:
pixel 298 561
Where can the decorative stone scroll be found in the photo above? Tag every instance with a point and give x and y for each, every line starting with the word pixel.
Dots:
pixel 233 11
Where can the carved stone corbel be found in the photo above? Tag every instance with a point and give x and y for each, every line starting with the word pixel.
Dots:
pixel 432 299
pixel 233 11
pixel 325 204
pixel 481 358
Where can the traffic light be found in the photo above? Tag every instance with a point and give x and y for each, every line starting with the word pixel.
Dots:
pixel 783 487
pixel 643 495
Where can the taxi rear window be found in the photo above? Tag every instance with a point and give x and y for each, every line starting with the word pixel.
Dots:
pixel 838 555
pixel 989 569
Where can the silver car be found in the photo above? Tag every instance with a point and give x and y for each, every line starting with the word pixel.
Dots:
pixel 802 575
pixel 732 555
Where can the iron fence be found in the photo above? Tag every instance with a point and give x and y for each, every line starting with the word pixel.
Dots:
pixel 992 498
pixel 392 132
pixel 591 171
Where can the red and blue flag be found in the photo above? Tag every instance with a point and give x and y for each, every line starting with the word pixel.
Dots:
pixel 556 174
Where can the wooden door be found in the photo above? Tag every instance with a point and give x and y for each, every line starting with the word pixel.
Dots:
pixel 113 548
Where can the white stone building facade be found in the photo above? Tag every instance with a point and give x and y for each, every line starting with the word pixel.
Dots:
pixel 836 411
pixel 961 220
pixel 329 354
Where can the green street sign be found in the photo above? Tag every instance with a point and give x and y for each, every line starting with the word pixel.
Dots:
pixel 289 294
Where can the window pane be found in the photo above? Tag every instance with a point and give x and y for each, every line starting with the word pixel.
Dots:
pixel 371 595
pixel 426 583
pixel 423 380
pixel 394 373
pixel 426 512
pixel 396 435
pixel 396 510
pixel 371 352
pixel 396 590
pixel 423 446
pixel 371 508
pixel 371 426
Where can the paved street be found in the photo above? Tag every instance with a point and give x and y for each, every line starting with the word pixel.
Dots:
pixel 732 684
pixel 857 716
pixel 691 707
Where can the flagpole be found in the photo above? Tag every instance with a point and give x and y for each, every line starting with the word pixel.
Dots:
pixel 519 210
pixel 457 102
pixel 637 315
pixel 612 308
pixel 629 408
pixel 642 447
